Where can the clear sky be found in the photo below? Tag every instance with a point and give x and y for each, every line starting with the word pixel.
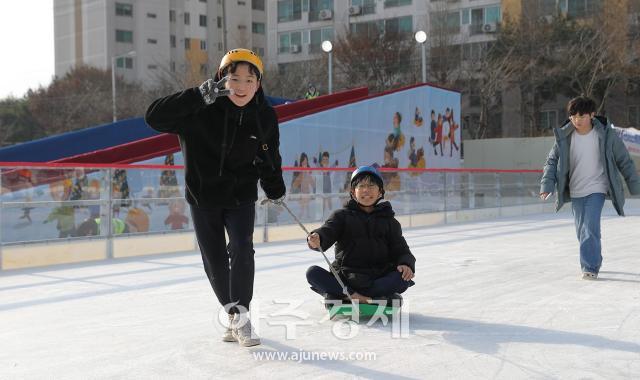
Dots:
pixel 26 35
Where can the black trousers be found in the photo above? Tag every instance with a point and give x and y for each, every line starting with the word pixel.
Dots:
pixel 230 268
pixel 323 282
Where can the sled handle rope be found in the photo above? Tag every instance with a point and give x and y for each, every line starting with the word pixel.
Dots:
pixel 333 271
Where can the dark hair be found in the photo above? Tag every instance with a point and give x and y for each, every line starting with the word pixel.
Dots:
pixel 399 117
pixel 234 66
pixel 368 177
pixel 433 112
pixel 581 105
pixel 87 228
pixel 303 156
pixel 325 154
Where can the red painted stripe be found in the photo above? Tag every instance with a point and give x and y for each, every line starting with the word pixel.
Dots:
pixel 14 165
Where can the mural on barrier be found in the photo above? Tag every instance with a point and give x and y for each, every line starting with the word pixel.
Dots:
pixel 631 139
pixel 414 128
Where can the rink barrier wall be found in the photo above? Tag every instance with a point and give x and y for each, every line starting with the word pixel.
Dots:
pixel 56 253
pixel 445 196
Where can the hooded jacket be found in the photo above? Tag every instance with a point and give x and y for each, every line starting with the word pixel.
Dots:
pixel 367 244
pixel 615 161
pixel 226 148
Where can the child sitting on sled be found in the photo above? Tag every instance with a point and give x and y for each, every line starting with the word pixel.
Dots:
pixel 372 257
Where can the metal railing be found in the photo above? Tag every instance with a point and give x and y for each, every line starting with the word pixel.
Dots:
pixel 53 203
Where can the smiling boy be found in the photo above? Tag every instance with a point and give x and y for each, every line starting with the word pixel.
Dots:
pixel 230 139
pixel 372 256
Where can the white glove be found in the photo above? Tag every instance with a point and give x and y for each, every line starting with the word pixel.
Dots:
pixel 210 90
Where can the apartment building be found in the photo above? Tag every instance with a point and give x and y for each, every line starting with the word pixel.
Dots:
pixel 148 38
pixel 188 37
pixel 191 35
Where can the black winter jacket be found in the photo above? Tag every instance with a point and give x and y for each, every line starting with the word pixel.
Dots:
pixel 369 244
pixel 223 147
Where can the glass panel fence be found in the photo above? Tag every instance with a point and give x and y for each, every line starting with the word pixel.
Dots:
pixel 51 203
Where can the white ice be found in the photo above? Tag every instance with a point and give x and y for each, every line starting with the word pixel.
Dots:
pixel 498 299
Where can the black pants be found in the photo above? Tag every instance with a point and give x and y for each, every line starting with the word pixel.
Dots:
pixel 323 282
pixel 230 268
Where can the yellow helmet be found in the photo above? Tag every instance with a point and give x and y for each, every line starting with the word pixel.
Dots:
pixel 241 55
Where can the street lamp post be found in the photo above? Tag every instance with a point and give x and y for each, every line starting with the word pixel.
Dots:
pixel 113 80
pixel 327 47
pixel 421 38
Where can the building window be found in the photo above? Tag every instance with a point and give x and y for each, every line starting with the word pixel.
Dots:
pixel 123 9
pixel 257 5
pixel 366 6
pixel 477 21
pixel 492 14
pixel 172 40
pixel 187 18
pixel 257 27
pixel 242 27
pixel 400 25
pixel 448 22
pixel 187 43
pixel 396 3
pixel 203 1
pixel 152 67
pixel 220 46
pixel 219 22
pixel 152 41
pixel 548 7
pixel 466 17
pixel 288 42
pixel 124 36
pixel 548 119
pixel 242 3
pixel 316 36
pixel 258 50
pixel 124 63
pixel 203 45
pixel 172 66
pixel 475 51
pixel 289 10
pixel 151 15
pixel 203 20
pixel 583 8
pixel 172 15
pixel 370 29
pixel 474 96
pixel 320 10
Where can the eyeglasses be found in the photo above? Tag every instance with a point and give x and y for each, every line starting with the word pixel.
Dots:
pixel 368 186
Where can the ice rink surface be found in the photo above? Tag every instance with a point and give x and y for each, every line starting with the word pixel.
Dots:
pixel 499 299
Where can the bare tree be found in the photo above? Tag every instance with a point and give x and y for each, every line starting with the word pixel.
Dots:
pixel 291 80
pixel 495 72
pixel 82 98
pixel 445 44
pixel 598 56
pixel 380 61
